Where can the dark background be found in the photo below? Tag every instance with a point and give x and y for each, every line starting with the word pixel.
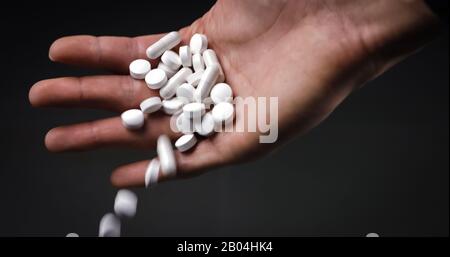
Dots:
pixel 379 163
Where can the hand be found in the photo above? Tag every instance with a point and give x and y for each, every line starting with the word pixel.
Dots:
pixel 310 54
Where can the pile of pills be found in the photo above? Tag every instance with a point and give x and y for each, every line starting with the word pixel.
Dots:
pixel 192 90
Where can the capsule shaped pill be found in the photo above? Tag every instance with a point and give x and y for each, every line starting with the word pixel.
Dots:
pixel 198 43
pixel 139 68
pixel 166 156
pixel 156 79
pixel 198 63
pixel 132 119
pixel 169 72
pixel 109 226
pixel 185 56
pixel 125 203
pixel 167 42
pixel 171 59
pixel 152 173
pixel 179 78
pixel 186 142
pixel 206 83
pixel 210 58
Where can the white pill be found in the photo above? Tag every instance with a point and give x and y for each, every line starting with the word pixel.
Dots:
pixel 72 235
pixel 169 72
pixel 133 119
pixel 171 59
pixel 185 142
pixel 210 58
pixel 221 93
pixel 152 173
pixel 197 62
pixel 166 156
pixel 206 83
pixel 184 124
pixel 223 113
pixel 125 203
pixel 194 110
pixel 156 78
pixel 151 104
pixel 170 89
pixel 167 42
pixel 172 106
pixel 185 56
pixel 139 68
pixel 109 226
pixel 207 125
pixel 194 78
pixel 186 91
pixel 198 43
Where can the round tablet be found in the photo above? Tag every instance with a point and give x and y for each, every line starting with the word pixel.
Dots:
pixel 156 78
pixel 151 104
pixel 139 68
pixel 198 43
pixel 125 203
pixel 109 226
pixel 185 56
pixel 171 59
pixel 206 127
pixel 72 235
pixel 152 173
pixel 194 78
pixel 197 62
pixel 169 72
pixel 221 93
pixel 185 142
pixel 223 113
pixel 133 119
pixel 184 124
pixel 186 92
pixel 193 110
pixel 172 106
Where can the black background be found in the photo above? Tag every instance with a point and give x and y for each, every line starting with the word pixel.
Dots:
pixel 379 163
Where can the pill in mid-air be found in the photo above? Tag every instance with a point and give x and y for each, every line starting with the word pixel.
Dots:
pixel 165 43
pixel 72 235
pixel 221 93
pixel 109 226
pixel 125 203
pixel 194 110
pixel 173 106
pixel 210 58
pixel 133 119
pixel 166 156
pixel 185 142
pixel 206 127
pixel 194 78
pixel 179 78
pixel 151 104
pixel 197 62
pixel 156 78
pixel 207 81
pixel 171 59
pixel 198 43
pixel 186 91
pixel 185 56
pixel 139 68
pixel 152 173
pixel 169 72
pixel 223 113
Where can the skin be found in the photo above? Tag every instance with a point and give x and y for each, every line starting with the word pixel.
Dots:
pixel 317 51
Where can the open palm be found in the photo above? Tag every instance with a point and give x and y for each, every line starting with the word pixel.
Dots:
pixel 309 54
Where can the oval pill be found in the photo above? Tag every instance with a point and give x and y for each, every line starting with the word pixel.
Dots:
pixel 166 156
pixel 165 43
pixel 152 173
pixel 185 56
pixel 185 142
pixel 169 72
pixel 197 62
pixel 198 43
pixel 132 119
pixel 221 93
pixel 206 83
pixel 223 113
pixel 156 79
pixel 139 68
pixel 151 104
pixel 125 203
pixel 179 78
pixel 109 226
pixel 171 59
